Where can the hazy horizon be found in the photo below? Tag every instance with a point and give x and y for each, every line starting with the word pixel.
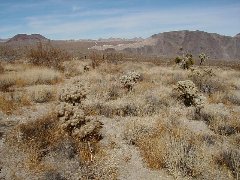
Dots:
pixel 61 19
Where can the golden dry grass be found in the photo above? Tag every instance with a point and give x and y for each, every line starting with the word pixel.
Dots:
pixel 29 76
pixel 8 105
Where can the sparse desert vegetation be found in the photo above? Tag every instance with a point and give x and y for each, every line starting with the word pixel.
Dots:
pixel 101 118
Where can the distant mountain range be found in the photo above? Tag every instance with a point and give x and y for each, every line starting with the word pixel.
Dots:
pixel 167 44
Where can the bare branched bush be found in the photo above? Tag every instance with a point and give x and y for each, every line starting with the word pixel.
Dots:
pixel 47 55
pixel 8 53
pixel 114 57
pixel 97 59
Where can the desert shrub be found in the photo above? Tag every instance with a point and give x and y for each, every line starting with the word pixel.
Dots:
pixel 188 93
pixel 12 102
pixel 8 53
pixel 74 68
pixel 231 159
pixel 114 57
pixel 154 103
pixel 6 82
pixel 35 139
pixel 219 119
pixel 206 80
pixel 176 149
pixel 233 97
pixel 185 62
pixel 112 109
pixel 183 156
pixel 47 55
pixel 42 94
pixel 7 106
pixel 128 80
pixel 54 175
pixel 1 68
pixel 113 92
pixel 97 59
pixel 45 151
pixel 40 132
pixel 213 112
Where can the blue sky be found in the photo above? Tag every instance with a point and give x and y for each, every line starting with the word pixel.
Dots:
pixel 93 19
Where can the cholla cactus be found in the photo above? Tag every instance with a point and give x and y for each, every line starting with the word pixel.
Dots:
pixel 72 119
pixel 86 68
pixel 189 93
pixel 130 79
pixel 185 62
pixel 203 57
pixel 74 94
pixel 75 123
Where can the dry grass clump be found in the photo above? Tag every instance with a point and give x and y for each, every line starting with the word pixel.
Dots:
pixel 220 119
pixel 203 78
pixel 214 114
pixel 46 150
pixel 12 102
pixel 35 139
pixel 7 106
pixel 47 55
pixel 1 68
pixel 231 159
pixel 74 67
pixel 28 77
pixel 109 68
pixel 233 97
pixel 114 92
pixel 178 150
pixel 42 93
